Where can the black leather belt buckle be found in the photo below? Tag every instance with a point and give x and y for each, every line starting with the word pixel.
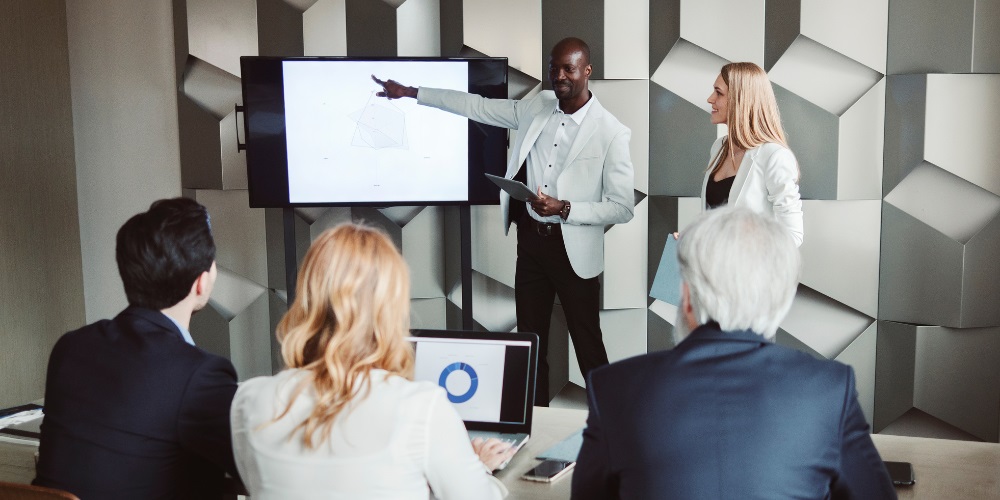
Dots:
pixel 544 229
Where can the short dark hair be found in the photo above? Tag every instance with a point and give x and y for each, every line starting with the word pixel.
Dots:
pixel 161 252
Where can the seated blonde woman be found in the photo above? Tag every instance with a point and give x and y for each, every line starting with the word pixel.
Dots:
pixel 344 420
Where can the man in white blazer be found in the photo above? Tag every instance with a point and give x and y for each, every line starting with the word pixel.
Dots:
pixel 575 155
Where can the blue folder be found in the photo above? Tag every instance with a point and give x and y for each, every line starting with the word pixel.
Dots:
pixel 667 283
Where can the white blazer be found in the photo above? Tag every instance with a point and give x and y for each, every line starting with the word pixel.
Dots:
pixel 766 182
pixel 598 178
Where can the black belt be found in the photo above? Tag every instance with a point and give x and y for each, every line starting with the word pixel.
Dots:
pixel 542 228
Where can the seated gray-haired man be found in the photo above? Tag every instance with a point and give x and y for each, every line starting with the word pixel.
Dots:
pixel 727 413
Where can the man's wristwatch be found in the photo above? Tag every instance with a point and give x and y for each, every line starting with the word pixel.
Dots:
pixel 564 213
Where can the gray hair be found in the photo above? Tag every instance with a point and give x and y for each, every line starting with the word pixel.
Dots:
pixel 741 269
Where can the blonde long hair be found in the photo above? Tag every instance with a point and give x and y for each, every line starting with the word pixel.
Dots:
pixel 351 315
pixel 753 117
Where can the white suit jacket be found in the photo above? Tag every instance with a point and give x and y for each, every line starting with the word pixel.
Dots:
pixel 766 182
pixel 598 178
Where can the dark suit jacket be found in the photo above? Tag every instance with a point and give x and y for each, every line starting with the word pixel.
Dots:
pixel 727 415
pixel 133 411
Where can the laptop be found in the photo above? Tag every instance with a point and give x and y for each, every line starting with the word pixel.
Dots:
pixel 489 378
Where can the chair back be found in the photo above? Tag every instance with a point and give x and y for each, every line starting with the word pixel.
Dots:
pixel 14 491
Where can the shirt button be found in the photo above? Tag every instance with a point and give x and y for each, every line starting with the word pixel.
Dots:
pixel 546 185
pixel 563 124
pixel 555 145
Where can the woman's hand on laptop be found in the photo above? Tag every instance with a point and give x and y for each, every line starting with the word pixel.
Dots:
pixel 492 452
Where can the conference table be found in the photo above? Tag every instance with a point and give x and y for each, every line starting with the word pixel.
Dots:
pixel 943 468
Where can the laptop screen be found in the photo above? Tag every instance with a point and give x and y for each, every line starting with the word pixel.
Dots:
pixel 489 377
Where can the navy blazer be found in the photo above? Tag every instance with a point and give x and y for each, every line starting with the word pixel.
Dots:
pixel 133 411
pixel 727 415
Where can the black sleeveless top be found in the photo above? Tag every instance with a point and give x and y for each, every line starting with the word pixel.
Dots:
pixel 717 192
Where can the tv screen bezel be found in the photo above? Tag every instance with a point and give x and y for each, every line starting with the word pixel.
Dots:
pixel 266 142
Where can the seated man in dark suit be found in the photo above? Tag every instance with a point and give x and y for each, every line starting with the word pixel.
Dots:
pixel 132 408
pixel 727 413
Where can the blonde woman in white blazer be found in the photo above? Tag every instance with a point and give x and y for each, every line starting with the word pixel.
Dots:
pixel 751 166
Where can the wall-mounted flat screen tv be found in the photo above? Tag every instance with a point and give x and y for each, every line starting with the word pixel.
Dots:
pixel 317 135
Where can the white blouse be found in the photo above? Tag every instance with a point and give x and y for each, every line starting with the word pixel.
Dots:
pixel 400 442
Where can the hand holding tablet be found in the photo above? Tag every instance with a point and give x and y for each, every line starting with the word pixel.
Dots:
pixel 515 189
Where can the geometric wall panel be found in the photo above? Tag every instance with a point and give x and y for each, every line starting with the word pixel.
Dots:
pixel 895 355
pixel 939 241
pixel 957 379
pixel 660 326
pixel 234 162
pixel 208 134
pixel 905 107
pixel 424 253
pixel 489 27
pixel 961 126
pixel 840 254
pixel 628 101
pixel 986 43
pixel 689 71
pixel 840 156
pixel 220 31
pixel 418 28
pixel 428 313
pixel 239 233
pixel 813 82
pixel 324 29
pixel 623 283
pixel 733 30
pixel 826 78
pixel 930 37
pixel 235 324
pixel 813 136
pixel 624 333
pixel 371 28
pixel 494 254
pixel 680 138
pixel 928 278
pixel 864 41
pixel 250 339
pixel 947 373
pixel 860 147
pixel 580 18
pixel 945 202
pixel 823 324
pixel 215 90
pixel 281 33
pixel 681 133
pixel 626 39
pixel 664 29
pixel 860 355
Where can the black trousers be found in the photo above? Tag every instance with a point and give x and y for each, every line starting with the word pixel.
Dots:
pixel 543 270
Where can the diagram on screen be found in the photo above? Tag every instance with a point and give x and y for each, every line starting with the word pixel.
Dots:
pixel 379 125
pixel 462 385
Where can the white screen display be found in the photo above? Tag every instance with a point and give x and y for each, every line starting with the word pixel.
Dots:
pixel 471 374
pixel 347 145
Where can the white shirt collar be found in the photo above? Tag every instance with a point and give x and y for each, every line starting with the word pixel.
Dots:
pixel 580 113
pixel 184 332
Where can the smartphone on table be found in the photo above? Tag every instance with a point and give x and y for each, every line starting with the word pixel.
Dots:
pixel 901 473
pixel 548 471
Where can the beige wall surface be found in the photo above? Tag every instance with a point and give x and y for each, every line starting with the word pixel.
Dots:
pixel 122 69
pixel 41 286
